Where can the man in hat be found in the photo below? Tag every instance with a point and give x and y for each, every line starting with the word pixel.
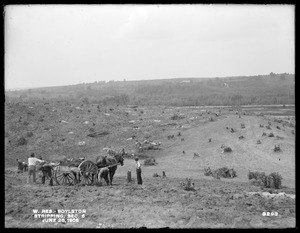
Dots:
pixel 32 161
pixel 138 171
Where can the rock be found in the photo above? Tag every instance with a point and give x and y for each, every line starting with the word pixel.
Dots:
pixel 237 196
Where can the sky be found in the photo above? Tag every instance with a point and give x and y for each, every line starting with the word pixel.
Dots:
pixel 57 45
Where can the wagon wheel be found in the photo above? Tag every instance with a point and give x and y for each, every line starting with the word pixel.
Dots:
pixel 88 172
pixel 64 177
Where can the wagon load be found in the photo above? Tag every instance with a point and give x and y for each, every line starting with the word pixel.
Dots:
pixel 73 162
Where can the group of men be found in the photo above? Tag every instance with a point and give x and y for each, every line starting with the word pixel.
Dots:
pixel 32 169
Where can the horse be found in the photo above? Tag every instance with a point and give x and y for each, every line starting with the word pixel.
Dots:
pixel 111 162
pixel 22 166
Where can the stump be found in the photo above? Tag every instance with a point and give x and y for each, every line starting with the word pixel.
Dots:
pixel 129 176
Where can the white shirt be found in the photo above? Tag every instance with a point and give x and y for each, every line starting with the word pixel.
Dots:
pixel 138 165
pixel 33 161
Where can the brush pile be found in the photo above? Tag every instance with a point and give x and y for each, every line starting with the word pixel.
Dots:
pixel 176 117
pixel 227 149
pixel 188 185
pixel 221 172
pixel 150 162
pixel 272 180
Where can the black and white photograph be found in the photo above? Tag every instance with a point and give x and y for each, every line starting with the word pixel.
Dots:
pixel 149 116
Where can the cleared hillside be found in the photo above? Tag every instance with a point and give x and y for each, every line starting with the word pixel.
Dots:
pixel 246 155
pixel 52 129
pixel 63 129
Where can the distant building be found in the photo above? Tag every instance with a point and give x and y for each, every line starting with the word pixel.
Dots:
pixel 225 85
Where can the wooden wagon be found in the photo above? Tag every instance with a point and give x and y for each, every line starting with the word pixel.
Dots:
pixel 85 173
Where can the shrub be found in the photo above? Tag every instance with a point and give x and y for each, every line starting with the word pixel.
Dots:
pixel 176 117
pixel 207 172
pixel 221 172
pixel 226 172
pixel 264 134
pixel 271 135
pixel 29 134
pixel 188 185
pixel 242 126
pixel 277 178
pixel 21 141
pixel 271 181
pixel 256 175
pixel 227 149
pixel 268 182
pixel 258 142
pixel 150 162
pixel 41 118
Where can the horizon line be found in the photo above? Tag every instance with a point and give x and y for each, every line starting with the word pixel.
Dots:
pixel 160 79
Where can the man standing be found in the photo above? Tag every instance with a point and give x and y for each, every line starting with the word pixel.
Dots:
pixel 47 172
pixel 32 167
pixel 138 171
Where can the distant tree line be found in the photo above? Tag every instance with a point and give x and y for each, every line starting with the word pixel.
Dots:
pixel 269 89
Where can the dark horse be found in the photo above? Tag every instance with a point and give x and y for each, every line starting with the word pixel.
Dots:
pixel 22 166
pixel 107 161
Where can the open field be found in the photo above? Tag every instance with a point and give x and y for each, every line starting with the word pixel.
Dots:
pixel 60 128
